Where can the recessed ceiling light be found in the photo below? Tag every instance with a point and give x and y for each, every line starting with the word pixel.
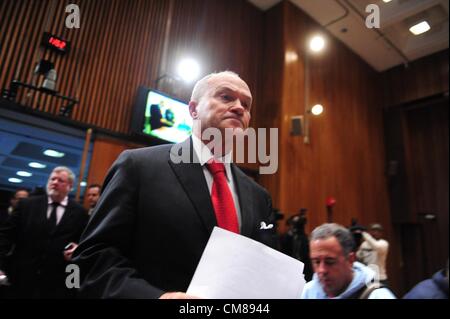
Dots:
pixel 36 165
pixel 24 173
pixel 53 153
pixel 386 1
pixel 15 180
pixel 420 28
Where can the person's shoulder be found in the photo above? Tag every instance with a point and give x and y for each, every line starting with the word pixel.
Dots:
pixel 425 289
pixel 145 151
pixel 146 154
pixel 382 293
pixel 75 205
pixel 312 290
pixel 33 200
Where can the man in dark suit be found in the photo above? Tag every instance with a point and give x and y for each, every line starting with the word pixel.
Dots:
pixel 156 214
pixel 40 228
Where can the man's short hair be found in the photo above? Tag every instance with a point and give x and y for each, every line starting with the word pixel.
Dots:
pixel 376 226
pixel 21 189
pixel 201 86
pixel 342 234
pixel 96 186
pixel 70 174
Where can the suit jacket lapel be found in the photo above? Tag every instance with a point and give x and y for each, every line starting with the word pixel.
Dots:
pixel 245 200
pixel 192 180
pixel 66 218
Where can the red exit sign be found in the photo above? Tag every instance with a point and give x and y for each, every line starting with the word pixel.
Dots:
pixel 55 43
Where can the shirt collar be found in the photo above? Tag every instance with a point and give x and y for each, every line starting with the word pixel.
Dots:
pixel 62 203
pixel 204 154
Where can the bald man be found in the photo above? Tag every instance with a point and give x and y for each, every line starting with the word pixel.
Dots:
pixel 156 213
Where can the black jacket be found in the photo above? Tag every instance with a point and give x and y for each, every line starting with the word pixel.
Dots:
pixel 37 267
pixel 152 223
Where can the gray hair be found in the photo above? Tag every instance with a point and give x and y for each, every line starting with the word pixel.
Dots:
pixel 67 170
pixel 201 86
pixel 342 234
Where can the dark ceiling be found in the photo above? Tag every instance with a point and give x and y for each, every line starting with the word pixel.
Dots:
pixel 22 143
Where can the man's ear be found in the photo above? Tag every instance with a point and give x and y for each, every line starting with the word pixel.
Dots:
pixel 351 257
pixel 193 109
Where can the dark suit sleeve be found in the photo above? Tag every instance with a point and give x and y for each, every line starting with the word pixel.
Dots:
pixel 268 237
pixel 106 245
pixel 8 233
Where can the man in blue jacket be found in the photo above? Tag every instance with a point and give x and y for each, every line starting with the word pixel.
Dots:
pixel 336 274
pixel 434 288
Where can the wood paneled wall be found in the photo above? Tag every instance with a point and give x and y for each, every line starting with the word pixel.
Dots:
pixel 345 158
pixel 123 44
pixel 422 78
pixel 104 153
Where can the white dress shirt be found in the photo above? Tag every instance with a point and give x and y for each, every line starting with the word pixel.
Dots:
pixel 59 211
pixel 204 155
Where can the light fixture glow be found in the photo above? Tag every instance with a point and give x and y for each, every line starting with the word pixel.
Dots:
pixel 15 180
pixel 83 184
pixel 386 1
pixel 188 69
pixel 317 43
pixel 36 165
pixel 53 153
pixel 24 173
pixel 317 109
pixel 290 56
pixel 420 28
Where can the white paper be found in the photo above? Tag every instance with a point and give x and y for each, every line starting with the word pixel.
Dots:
pixel 236 267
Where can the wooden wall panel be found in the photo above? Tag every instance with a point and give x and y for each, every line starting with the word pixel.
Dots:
pixel 269 114
pixel 422 78
pixel 104 153
pixel 123 44
pixel 345 158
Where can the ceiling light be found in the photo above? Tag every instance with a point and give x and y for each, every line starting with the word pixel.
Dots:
pixel 420 28
pixel 15 180
pixel 24 173
pixel 53 153
pixel 317 109
pixel 317 43
pixel 386 1
pixel 188 70
pixel 36 165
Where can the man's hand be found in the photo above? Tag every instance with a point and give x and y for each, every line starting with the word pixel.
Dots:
pixel 3 279
pixel 69 251
pixel 177 295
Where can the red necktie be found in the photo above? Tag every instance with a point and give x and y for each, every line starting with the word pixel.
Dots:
pixel 222 199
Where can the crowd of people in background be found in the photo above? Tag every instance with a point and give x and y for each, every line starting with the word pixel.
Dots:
pixel 344 263
pixel 38 235
pixel 147 226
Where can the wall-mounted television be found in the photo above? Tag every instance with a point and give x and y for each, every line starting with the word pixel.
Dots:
pixel 161 116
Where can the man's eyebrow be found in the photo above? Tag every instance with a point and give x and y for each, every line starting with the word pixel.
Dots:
pixel 221 89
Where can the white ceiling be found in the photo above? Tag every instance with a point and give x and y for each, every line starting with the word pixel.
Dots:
pixel 390 45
